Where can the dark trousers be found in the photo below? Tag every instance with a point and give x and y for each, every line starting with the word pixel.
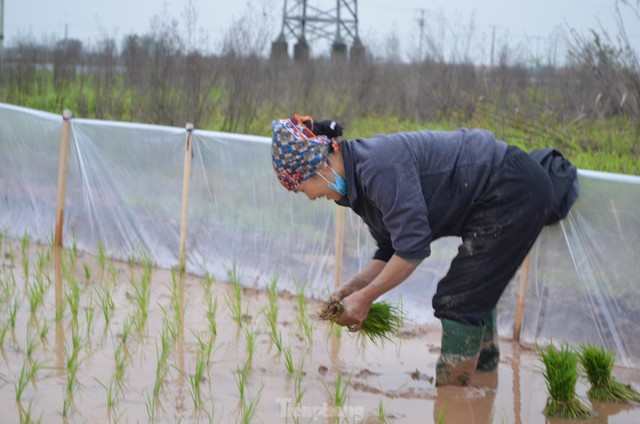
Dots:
pixel 496 238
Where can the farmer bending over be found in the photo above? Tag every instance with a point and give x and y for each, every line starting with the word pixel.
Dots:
pixel 413 188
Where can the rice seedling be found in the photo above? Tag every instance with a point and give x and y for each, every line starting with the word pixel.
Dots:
pixel 302 318
pixel 13 313
pixel 197 377
pixel 142 296
pixel 1 240
pixel 150 406
pixel 5 291
pixel 561 375
pixel 120 367
pixel 126 330
pixel 598 365
pixel 382 323
pixel 67 406
pixel 211 414
pixel 161 366
pixel 73 253
pixel 35 293
pixel 102 256
pixel 298 391
pixel 172 326
pixel 73 297
pixel 87 272
pixel 24 246
pixel 25 416
pixel 11 255
pixel 88 319
pixel 113 273
pixel 112 396
pixel 3 335
pixel 44 257
pixel 27 375
pixel 32 343
pixel 177 293
pixel 234 299
pixel 288 361
pixel 44 330
pixel 73 362
pixel 250 337
pixel 249 409
pixel 241 378
pixel 382 413
pixel 340 395
pixel 212 307
pixel 271 313
pixel 107 305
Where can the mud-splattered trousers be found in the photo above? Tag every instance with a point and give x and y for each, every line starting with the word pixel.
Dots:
pixel 496 237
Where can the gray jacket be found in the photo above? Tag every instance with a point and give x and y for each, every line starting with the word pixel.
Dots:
pixel 412 188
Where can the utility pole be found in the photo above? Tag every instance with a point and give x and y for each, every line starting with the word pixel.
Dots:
pixel 1 36
pixel 421 24
pixel 493 40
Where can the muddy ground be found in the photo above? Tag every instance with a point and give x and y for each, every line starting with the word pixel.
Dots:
pixel 73 366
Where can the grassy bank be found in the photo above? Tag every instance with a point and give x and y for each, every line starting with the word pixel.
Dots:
pixel 560 108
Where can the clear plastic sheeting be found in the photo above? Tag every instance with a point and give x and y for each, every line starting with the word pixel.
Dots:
pixel 29 155
pixel 124 190
pixel 583 282
pixel 124 193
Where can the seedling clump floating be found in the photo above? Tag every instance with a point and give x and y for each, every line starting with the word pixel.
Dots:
pixel 561 375
pixel 598 364
pixel 383 321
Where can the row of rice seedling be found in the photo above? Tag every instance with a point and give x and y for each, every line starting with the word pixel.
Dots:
pixel 561 374
pixel 103 315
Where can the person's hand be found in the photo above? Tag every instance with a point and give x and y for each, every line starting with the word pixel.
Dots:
pixel 346 289
pixel 356 309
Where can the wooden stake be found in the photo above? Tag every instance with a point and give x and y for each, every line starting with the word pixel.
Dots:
pixel 340 217
pixel 523 280
pixel 63 170
pixel 188 153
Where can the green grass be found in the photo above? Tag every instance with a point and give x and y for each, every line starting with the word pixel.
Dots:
pixel 561 375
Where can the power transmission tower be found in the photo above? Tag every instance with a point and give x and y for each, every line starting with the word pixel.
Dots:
pixel 306 23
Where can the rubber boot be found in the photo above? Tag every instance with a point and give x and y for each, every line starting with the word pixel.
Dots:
pixel 490 351
pixel 459 353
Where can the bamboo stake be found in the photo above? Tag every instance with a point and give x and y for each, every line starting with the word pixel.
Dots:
pixel 523 280
pixel 340 217
pixel 188 153
pixel 63 170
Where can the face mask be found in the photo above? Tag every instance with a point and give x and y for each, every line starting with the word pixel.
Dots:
pixel 339 186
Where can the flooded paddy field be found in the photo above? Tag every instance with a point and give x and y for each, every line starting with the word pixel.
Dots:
pixel 85 339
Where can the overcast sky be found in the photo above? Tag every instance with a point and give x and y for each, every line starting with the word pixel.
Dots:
pixel 531 27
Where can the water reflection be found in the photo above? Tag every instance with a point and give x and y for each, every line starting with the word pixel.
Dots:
pixel 472 404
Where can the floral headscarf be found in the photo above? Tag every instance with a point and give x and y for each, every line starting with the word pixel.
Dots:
pixel 296 151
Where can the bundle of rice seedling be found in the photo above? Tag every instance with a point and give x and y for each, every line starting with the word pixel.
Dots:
pixel 383 321
pixel 598 364
pixel 561 375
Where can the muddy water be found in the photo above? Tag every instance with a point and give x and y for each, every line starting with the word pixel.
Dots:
pixel 116 379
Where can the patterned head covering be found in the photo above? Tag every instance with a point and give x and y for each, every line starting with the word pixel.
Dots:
pixel 296 151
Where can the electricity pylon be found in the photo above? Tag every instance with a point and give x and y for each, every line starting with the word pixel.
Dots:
pixel 307 23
